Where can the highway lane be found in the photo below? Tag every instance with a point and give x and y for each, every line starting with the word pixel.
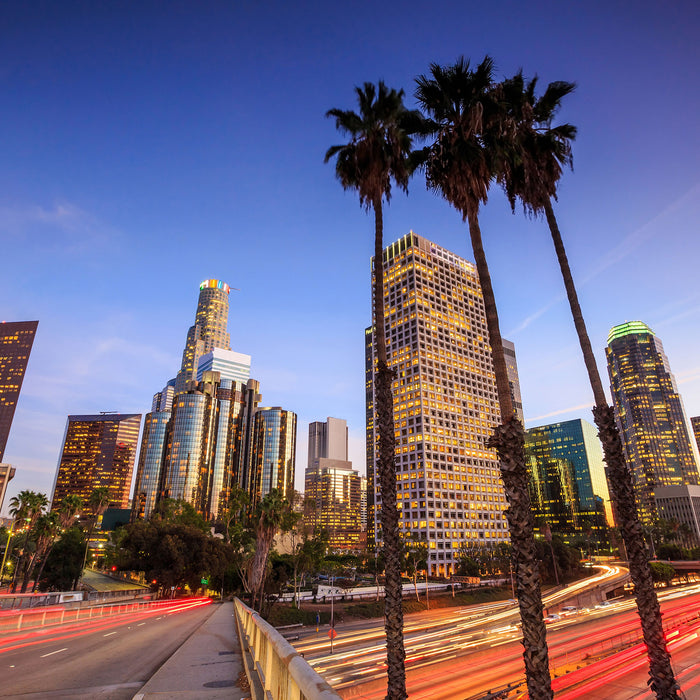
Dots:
pixel 109 660
pixel 472 656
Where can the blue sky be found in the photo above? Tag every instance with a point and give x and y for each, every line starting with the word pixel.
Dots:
pixel 148 146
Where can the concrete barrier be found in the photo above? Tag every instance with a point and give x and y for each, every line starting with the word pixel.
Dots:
pixel 273 666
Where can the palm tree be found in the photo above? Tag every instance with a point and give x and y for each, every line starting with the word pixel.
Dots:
pixel 532 154
pixel 460 167
pixel 47 529
pixel 271 512
pixel 25 508
pixel 379 152
pixel 68 510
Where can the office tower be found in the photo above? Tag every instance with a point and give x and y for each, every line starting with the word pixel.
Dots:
pixel 16 339
pixel 328 440
pixel 7 472
pixel 363 503
pixel 695 424
pixel 201 449
pixel 208 332
pixel 163 400
pixel 332 486
pixel 445 404
pixel 682 504
pixel 229 364
pixel 513 379
pixel 657 439
pixel 273 453
pixel 98 450
pixel 148 484
pixel 568 488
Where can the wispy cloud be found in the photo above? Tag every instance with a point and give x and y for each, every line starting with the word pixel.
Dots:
pixel 650 229
pixel 625 248
pixel 687 376
pixel 560 412
pixel 63 226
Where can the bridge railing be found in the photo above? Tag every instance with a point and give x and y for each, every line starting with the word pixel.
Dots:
pixel 277 669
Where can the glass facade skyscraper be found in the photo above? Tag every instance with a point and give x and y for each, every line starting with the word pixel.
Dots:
pixel 148 473
pixel 274 452
pixel 98 451
pixel 657 439
pixel 208 332
pixel 568 488
pixel 449 488
pixel 16 340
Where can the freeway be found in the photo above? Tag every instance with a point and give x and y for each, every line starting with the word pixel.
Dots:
pixel 469 651
pixel 110 658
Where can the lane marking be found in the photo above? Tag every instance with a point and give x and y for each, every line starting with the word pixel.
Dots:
pixel 108 634
pixel 140 624
pixel 51 653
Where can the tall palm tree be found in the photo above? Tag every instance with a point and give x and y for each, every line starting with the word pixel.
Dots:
pixel 46 532
pixel 379 152
pixel 460 167
pixel 270 512
pixel 25 508
pixel 531 161
pixel 68 510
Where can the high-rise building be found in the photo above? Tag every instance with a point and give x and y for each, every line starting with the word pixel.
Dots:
pixel 229 364
pixel 16 340
pixel 682 504
pixel 163 400
pixel 201 449
pixel 7 472
pixel 148 486
pixel 208 332
pixel 656 435
pixel 568 488
pixel 328 439
pixel 273 452
pixel 98 451
pixel 445 404
pixel 513 379
pixel 695 424
pixel 332 487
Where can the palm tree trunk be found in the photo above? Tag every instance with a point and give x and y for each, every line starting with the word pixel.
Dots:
pixel 384 412
pixel 509 441
pixel 579 323
pixel 663 681
pixel 41 568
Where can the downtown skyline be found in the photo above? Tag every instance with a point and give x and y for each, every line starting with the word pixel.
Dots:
pixel 144 148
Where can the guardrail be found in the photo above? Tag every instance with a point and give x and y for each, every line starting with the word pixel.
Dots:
pixel 12 621
pixel 275 669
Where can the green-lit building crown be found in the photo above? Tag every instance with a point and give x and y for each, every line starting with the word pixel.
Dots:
pixel 629 328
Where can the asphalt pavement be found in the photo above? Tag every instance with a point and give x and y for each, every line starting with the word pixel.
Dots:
pixel 208 666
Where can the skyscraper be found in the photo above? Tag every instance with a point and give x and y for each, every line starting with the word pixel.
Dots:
pixel 332 487
pixel 148 486
pixel 513 379
pixel 98 451
pixel 16 340
pixel 445 404
pixel 657 439
pixel 695 423
pixel 208 332
pixel 569 491
pixel 328 440
pixel 229 364
pixel 7 472
pixel 273 453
